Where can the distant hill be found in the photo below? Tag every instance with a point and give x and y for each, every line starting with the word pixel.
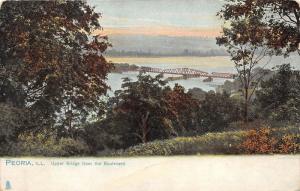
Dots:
pixel 142 45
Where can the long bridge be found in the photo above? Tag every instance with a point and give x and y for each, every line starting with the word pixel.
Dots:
pixel 187 72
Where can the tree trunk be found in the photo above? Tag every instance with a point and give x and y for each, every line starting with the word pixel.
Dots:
pixel 144 126
pixel 298 28
pixel 246 105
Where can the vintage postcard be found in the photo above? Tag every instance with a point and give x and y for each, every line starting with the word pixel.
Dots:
pixel 144 95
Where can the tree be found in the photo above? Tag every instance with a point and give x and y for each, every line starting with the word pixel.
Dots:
pixel 279 18
pixel 143 111
pixel 11 123
pixel 217 111
pixel 245 40
pixel 183 109
pixel 278 97
pixel 50 61
pixel 197 93
pixel 107 134
pixel 142 106
pixel 47 144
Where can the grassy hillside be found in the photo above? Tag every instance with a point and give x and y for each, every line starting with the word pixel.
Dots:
pixel 210 143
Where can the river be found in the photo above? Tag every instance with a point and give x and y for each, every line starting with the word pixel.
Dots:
pixel 207 64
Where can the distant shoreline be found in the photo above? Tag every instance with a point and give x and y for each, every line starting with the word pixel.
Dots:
pixel 161 56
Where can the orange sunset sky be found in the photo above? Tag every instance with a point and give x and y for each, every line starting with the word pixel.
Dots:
pixel 176 18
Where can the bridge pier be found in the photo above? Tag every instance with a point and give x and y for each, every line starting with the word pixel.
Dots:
pixel 209 79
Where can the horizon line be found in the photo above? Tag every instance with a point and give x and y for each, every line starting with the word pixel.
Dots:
pixel 207 32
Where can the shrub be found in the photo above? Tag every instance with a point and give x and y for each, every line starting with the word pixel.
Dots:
pixel 217 111
pixel 41 144
pixel 278 97
pixel 104 135
pixel 11 123
pixel 210 143
pixel 289 144
pixel 269 141
pixel 241 125
pixel 259 141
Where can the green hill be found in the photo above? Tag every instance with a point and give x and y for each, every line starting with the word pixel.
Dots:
pixel 210 143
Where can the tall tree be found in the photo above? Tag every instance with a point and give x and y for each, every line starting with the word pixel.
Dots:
pixel 50 61
pixel 280 18
pixel 217 111
pixel 246 41
pixel 143 105
pixel 183 110
pixel 278 97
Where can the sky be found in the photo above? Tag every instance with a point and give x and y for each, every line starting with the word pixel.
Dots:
pixel 164 26
pixel 175 18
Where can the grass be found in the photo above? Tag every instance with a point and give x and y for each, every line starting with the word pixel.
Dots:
pixel 210 143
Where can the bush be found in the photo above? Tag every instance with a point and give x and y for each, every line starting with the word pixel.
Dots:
pixel 217 111
pixel 104 135
pixel 41 144
pixel 260 141
pixel 241 125
pixel 269 141
pixel 278 97
pixel 11 123
pixel 211 143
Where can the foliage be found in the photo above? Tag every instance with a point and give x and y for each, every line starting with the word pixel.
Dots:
pixel 52 80
pixel 45 144
pixel 144 110
pixel 13 121
pixel 232 87
pixel 254 124
pixel 266 141
pixel 172 112
pixel 10 121
pixel 183 108
pixel 284 140
pixel 141 110
pixel 210 143
pixel 104 135
pixel 197 93
pixel 246 36
pixel 278 97
pixel 50 60
pixel 279 21
pixel 259 142
pixel 217 111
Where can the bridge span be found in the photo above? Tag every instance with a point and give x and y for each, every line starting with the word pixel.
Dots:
pixel 187 72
